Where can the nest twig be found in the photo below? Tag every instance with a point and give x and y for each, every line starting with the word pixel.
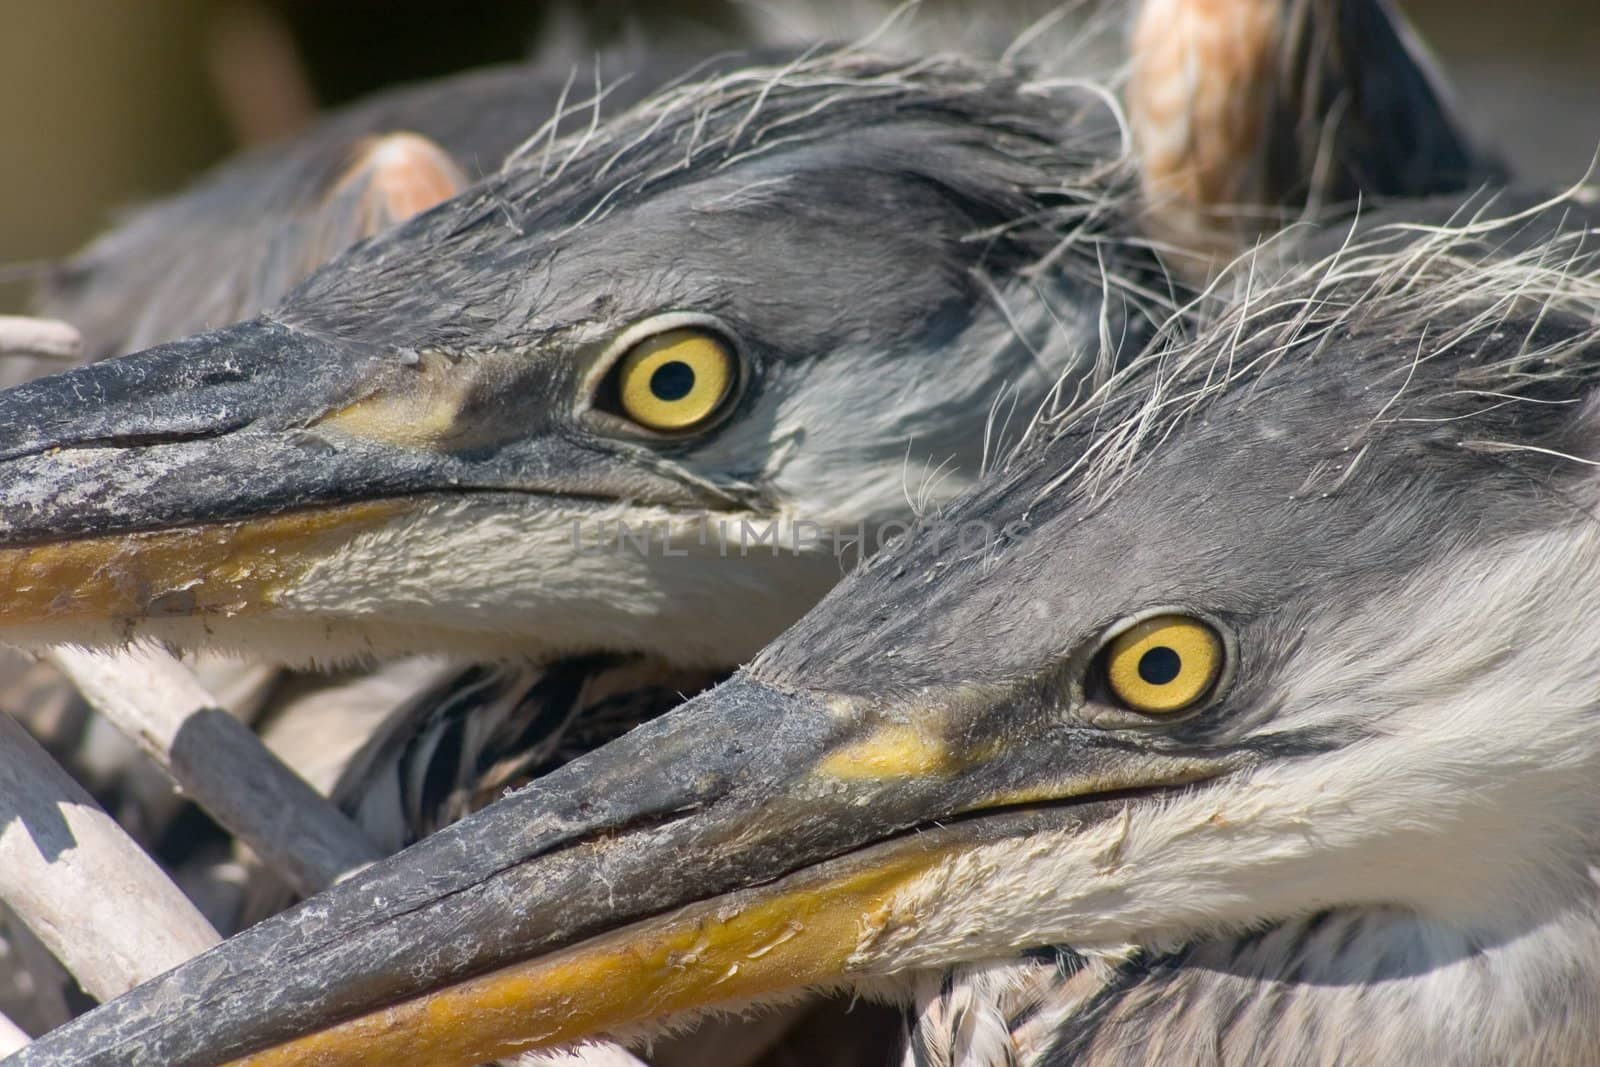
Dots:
pixel 39 338
pixel 220 764
pixel 12 1036
pixel 82 885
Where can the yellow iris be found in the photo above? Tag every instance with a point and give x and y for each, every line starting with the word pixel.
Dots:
pixel 1165 664
pixel 676 380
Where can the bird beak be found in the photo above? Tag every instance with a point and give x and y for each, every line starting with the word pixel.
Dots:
pixel 125 485
pixel 205 478
pixel 756 841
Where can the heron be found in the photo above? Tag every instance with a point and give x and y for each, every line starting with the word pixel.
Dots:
pixel 394 458
pixel 1321 82
pixel 316 194
pixel 234 624
pixel 1258 728
pixel 366 463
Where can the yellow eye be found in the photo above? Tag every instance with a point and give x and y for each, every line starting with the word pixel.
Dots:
pixel 675 380
pixel 1165 664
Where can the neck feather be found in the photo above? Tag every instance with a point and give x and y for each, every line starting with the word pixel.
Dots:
pixel 1345 986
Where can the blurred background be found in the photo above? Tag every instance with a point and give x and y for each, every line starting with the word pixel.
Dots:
pixel 107 103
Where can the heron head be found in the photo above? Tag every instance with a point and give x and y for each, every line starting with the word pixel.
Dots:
pixel 686 359
pixel 1290 616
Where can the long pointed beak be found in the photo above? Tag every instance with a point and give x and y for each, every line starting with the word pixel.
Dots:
pixel 125 484
pixel 207 478
pixel 753 842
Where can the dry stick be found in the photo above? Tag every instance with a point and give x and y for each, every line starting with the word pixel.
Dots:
pixel 220 764
pixel 12 1037
pixel 43 338
pixel 85 888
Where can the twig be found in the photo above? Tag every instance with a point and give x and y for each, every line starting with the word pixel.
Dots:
pixel 220 764
pixel 12 1037
pixel 101 906
pixel 42 338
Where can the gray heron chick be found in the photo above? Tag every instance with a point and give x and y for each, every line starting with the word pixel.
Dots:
pixel 734 302
pixel 1264 712
pixel 184 561
pixel 1318 104
pixel 764 301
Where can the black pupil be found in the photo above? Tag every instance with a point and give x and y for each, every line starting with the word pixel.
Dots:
pixel 672 381
pixel 1160 665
